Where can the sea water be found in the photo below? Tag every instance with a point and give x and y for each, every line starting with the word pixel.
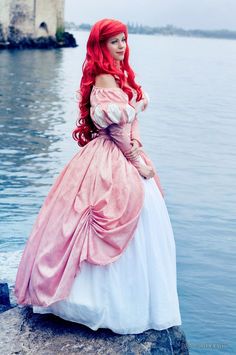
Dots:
pixel 188 131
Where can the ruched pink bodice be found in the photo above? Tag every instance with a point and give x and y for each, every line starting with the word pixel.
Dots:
pixel 93 207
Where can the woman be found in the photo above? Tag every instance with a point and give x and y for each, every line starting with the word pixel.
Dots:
pixel 102 250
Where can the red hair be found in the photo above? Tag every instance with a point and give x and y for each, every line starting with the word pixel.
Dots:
pixel 99 61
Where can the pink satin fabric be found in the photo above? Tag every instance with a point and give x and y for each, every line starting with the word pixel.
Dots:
pixel 90 214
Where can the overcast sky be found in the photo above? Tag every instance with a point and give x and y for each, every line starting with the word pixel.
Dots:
pixel 204 14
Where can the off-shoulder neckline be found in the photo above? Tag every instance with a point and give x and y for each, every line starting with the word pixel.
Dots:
pixel 101 88
pixel 111 89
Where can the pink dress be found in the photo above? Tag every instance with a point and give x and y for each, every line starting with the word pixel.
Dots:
pixel 102 251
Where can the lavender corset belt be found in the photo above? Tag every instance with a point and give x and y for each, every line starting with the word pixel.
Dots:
pixel 104 133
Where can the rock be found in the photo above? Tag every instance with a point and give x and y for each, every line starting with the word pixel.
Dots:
pixel 16 40
pixel 4 308
pixel 5 297
pixel 66 39
pixel 4 294
pixel 24 332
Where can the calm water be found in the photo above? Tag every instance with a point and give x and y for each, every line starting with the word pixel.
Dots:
pixel 188 131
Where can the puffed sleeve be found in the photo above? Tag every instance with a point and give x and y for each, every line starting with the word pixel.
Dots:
pixel 110 105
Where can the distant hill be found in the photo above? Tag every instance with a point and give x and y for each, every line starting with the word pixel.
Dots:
pixel 168 30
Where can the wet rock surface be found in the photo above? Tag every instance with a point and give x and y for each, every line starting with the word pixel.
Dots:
pixel 23 332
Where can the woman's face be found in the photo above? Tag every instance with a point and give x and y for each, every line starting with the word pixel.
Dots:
pixel 117 46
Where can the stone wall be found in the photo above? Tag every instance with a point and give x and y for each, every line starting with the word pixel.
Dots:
pixel 22 16
pixel 31 18
pixel 49 17
pixel 4 18
pixel 60 13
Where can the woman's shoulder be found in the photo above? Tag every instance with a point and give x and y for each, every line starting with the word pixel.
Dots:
pixel 106 90
pixel 105 81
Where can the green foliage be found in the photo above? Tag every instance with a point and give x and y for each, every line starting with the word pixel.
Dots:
pixel 60 34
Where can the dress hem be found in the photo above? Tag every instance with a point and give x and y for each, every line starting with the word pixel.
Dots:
pixel 174 323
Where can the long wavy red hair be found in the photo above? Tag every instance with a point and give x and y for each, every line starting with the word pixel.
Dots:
pixel 99 61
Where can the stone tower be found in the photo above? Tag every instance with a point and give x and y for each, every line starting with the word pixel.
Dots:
pixel 31 18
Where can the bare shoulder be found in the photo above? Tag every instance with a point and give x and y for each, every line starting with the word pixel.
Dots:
pixel 105 81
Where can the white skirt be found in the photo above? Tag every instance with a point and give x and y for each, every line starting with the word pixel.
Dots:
pixel 138 291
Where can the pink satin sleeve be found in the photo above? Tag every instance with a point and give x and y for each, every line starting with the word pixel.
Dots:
pixel 139 106
pixel 135 131
pixel 121 137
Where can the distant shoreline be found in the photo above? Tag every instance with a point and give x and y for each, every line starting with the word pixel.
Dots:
pixel 168 30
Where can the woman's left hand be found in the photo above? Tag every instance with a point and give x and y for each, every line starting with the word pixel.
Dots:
pixel 134 150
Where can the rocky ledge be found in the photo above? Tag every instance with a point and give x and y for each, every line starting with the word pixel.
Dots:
pixel 16 41
pixel 24 332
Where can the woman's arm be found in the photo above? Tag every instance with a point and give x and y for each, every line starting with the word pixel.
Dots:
pixel 120 137
pixel 135 131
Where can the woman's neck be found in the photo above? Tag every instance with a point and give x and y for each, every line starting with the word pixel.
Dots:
pixel 117 64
